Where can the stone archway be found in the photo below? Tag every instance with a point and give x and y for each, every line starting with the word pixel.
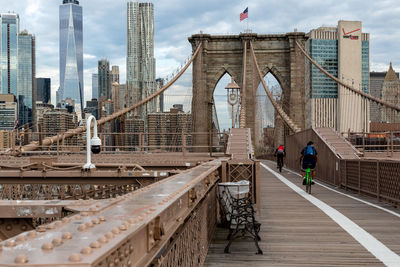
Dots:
pixel 276 53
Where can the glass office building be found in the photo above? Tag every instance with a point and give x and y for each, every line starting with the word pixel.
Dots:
pixel 43 90
pixel 104 80
pixel 71 52
pixel 95 86
pixel 26 44
pixel 26 79
pixel 9 30
pixel 325 52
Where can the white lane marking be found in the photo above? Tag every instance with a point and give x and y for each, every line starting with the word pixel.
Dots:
pixel 355 198
pixel 377 248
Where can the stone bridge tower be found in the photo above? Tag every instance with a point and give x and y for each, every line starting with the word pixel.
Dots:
pixel 276 54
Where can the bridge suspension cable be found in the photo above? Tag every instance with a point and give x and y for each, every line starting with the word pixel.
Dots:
pixel 359 92
pixel 277 107
pixel 53 139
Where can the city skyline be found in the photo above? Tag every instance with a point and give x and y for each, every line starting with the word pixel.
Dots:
pixel 175 21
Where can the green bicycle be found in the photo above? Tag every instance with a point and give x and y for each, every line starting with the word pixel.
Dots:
pixel 308 178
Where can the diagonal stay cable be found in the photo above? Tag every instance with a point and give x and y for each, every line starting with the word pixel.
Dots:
pixel 277 107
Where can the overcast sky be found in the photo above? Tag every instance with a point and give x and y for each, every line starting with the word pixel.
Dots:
pixel 104 26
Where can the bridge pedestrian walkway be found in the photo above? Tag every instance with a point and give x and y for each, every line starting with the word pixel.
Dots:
pixel 297 231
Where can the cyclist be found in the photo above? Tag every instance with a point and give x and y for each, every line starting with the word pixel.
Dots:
pixel 308 159
pixel 280 153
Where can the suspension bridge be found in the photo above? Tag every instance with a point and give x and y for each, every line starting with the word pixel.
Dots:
pixel 151 206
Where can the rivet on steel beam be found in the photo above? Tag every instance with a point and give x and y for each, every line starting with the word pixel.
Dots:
pixel 32 234
pixel 126 252
pixel 75 257
pixel 81 227
pixel 66 235
pixel 115 231
pixel 21 238
pixel 21 259
pixel 122 227
pixel 50 226
pixel 77 217
pixel 86 251
pixel 102 218
pixel 153 209
pixel 102 240
pixel 96 221
pixel 47 246
pixel 41 228
pixel 66 220
pixel 132 220
pixel 89 224
pixel 95 244
pixel 11 243
pixel 57 241
pixel 109 235
pixel 130 248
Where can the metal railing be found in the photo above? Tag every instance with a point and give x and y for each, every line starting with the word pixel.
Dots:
pixel 134 142
pixel 377 178
pixel 373 144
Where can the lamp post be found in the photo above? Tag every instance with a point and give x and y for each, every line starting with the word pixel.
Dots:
pixel 232 91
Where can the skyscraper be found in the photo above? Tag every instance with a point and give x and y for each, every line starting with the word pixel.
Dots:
pixel 95 85
pixel 26 76
pixel 9 53
pixel 390 93
pixel 344 53
pixel 114 74
pixel 71 52
pixel 43 90
pixel 104 79
pixel 376 81
pixel 140 62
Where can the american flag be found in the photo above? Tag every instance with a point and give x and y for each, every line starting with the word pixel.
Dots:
pixel 244 14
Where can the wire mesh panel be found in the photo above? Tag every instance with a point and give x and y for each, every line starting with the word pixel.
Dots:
pixel 352 174
pixel 368 176
pixel 190 245
pixel 389 180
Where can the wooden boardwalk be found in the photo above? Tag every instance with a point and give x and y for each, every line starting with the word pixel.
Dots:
pixel 295 232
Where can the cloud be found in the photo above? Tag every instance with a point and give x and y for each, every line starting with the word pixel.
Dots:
pixel 88 56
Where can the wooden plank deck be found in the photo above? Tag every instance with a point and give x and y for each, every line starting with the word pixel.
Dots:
pixel 294 232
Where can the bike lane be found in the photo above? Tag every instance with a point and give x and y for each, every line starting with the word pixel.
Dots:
pixel 375 229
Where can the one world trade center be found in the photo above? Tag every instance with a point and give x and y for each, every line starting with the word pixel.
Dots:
pixel 71 52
